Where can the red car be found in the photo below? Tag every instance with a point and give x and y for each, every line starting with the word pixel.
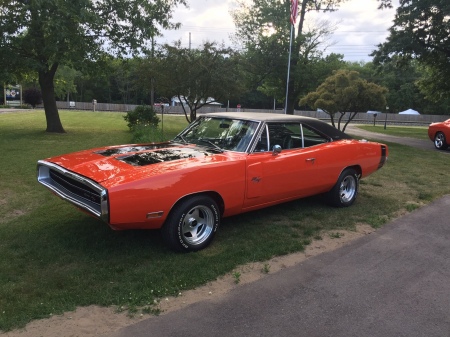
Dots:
pixel 439 133
pixel 221 165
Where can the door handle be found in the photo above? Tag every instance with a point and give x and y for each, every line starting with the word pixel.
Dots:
pixel 311 160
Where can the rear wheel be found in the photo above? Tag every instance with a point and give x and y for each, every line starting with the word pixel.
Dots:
pixel 192 223
pixel 344 193
pixel 440 142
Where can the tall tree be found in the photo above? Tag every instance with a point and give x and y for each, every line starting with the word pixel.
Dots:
pixel 42 35
pixel 346 92
pixel 421 31
pixel 198 76
pixel 65 82
pixel 263 27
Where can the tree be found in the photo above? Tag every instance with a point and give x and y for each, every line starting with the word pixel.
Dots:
pixel 65 82
pixel 42 35
pixel 421 31
pixel 402 85
pixel 263 27
pixel 439 103
pixel 197 76
pixel 346 92
pixel 385 4
pixel 146 69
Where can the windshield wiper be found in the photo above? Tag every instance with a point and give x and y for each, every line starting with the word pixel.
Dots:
pixel 217 147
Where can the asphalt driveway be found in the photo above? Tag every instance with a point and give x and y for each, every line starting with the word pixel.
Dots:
pixel 393 282
pixel 414 142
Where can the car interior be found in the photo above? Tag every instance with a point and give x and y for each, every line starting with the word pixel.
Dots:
pixel 288 136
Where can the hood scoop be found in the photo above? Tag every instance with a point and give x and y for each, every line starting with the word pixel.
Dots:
pixel 127 149
pixel 159 156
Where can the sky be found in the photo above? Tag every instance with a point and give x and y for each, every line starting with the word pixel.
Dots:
pixel 360 26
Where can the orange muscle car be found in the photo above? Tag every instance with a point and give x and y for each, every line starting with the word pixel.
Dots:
pixel 439 133
pixel 220 165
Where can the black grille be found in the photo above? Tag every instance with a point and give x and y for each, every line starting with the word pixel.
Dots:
pixel 75 187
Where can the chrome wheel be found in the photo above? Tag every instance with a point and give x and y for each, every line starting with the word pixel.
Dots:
pixel 439 141
pixel 191 224
pixel 344 192
pixel 197 225
pixel 347 189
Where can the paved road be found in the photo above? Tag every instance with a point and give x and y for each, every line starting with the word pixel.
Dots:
pixel 353 130
pixel 394 282
pixel 414 142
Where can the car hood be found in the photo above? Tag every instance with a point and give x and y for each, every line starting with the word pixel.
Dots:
pixel 129 162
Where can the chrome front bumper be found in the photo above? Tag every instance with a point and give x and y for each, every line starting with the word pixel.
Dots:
pixel 76 189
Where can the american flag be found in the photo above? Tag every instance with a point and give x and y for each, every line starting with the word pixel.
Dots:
pixel 294 11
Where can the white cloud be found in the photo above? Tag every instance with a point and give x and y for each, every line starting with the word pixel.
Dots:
pixel 360 25
pixel 205 20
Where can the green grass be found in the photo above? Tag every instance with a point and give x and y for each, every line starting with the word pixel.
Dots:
pixel 419 132
pixel 54 258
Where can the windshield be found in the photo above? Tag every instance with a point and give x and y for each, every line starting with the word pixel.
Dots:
pixel 220 133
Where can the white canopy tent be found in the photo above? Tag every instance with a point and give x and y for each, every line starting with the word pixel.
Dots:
pixel 409 112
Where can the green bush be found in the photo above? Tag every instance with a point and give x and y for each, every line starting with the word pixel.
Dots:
pixel 32 96
pixel 143 115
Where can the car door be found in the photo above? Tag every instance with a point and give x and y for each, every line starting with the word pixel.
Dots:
pixel 292 173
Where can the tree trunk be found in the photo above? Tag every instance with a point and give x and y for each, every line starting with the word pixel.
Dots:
pixel 193 114
pixel 290 105
pixel 48 97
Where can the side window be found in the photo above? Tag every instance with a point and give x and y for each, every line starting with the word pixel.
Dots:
pixel 311 137
pixel 287 135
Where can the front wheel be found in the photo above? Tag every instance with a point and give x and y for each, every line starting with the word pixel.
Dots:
pixel 192 223
pixel 344 193
pixel 440 142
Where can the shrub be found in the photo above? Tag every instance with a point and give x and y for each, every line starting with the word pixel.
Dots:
pixel 32 96
pixel 143 115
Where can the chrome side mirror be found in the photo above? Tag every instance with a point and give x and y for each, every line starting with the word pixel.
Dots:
pixel 276 150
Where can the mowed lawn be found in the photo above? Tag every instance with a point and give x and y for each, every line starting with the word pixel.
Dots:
pixel 54 258
pixel 419 132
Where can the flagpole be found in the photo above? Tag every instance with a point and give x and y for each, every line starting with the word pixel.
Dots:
pixel 294 12
pixel 288 72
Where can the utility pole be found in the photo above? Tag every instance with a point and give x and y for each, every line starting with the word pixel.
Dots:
pixel 385 120
pixel 152 84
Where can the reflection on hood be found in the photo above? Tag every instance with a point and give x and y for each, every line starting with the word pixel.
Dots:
pixel 159 156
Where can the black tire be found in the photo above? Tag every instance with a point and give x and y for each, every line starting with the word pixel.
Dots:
pixel 344 193
pixel 191 224
pixel 440 142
